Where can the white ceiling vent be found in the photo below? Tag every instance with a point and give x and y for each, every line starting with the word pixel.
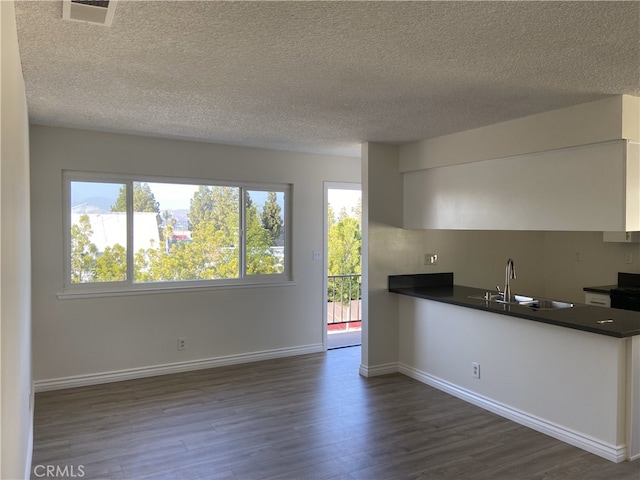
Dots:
pixel 89 11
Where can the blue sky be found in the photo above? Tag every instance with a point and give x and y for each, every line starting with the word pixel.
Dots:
pixel 170 196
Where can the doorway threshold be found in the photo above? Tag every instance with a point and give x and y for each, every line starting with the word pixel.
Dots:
pixel 350 338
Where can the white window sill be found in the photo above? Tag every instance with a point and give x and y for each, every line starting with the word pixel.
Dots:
pixel 156 289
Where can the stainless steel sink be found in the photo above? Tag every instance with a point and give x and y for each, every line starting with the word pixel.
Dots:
pixel 524 301
pixel 541 303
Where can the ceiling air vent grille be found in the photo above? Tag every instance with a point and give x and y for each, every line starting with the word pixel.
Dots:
pixel 89 11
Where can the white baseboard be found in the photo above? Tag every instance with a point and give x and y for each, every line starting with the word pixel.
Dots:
pixel 614 453
pixel 376 370
pixel 155 370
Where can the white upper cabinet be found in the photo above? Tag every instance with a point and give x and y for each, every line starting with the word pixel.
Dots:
pixel 504 185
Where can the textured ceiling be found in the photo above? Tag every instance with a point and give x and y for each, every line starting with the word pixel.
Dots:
pixel 322 76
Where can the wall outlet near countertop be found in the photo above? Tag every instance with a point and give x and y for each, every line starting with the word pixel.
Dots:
pixel 430 258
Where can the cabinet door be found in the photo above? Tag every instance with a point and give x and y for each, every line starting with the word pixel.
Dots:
pixel 580 189
pixel 597 299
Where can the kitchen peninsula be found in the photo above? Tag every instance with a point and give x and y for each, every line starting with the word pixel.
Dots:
pixel 572 373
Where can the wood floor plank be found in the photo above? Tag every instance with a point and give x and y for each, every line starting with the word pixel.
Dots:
pixel 307 417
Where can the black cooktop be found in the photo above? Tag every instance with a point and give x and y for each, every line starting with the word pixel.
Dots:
pixel 625 291
pixel 628 280
pixel 628 283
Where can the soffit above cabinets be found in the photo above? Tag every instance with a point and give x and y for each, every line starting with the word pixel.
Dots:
pixel 612 118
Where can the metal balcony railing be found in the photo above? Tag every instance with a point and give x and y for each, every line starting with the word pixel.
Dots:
pixel 344 299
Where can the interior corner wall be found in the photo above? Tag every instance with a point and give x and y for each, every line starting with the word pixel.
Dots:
pixel 16 413
pixel 97 337
pixel 388 249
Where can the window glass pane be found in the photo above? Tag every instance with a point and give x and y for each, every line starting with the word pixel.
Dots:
pixel 98 232
pixel 265 226
pixel 179 231
pixel 185 232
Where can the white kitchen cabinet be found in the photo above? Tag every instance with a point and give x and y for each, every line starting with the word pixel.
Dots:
pixel 597 299
pixel 588 188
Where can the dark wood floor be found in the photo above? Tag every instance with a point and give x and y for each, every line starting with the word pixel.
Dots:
pixel 308 417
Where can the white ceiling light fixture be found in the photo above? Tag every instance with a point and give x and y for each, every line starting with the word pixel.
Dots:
pixel 99 12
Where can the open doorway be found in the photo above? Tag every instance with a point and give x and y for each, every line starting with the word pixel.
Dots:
pixel 343 273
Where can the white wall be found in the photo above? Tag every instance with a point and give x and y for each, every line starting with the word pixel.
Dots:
pixel 384 248
pixel 478 258
pixel 573 260
pixel 16 416
pixel 88 336
pixel 567 383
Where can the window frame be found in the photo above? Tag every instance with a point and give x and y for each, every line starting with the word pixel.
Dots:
pixel 129 286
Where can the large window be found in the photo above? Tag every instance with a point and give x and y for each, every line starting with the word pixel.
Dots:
pixel 131 233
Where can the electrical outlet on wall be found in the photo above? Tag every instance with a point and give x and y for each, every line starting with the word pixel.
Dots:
pixel 182 343
pixel 430 258
pixel 475 369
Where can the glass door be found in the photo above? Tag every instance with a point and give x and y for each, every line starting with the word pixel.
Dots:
pixel 343 282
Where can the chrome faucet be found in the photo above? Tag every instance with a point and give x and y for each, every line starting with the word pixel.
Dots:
pixel 509 274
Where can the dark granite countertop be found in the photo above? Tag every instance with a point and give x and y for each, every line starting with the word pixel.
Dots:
pixel 440 287
pixel 625 279
pixel 606 289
